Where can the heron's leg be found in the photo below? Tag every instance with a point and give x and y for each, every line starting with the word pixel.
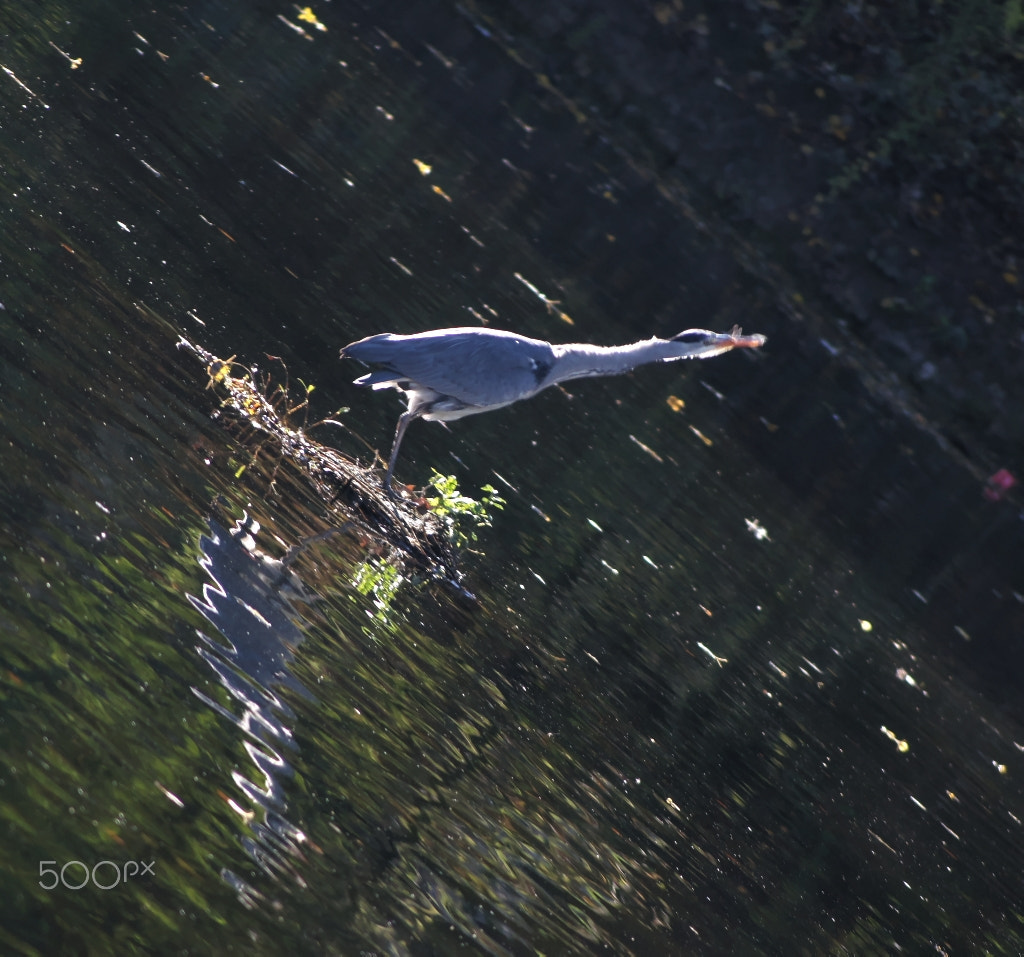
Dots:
pixel 403 423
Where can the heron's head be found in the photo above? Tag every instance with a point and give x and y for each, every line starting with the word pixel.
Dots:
pixel 702 343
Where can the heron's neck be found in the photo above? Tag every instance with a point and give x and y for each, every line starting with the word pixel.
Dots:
pixel 580 360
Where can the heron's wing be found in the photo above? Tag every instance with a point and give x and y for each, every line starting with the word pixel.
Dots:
pixel 479 367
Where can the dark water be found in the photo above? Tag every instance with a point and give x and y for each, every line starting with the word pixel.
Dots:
pixel 662 729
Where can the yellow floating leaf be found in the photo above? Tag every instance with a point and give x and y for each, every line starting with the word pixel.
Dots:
pixel 307 15
pixel 675 403
pixel 424 168
pixel 440 192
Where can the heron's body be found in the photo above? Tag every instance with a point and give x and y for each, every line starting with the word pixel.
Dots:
pixel 450 373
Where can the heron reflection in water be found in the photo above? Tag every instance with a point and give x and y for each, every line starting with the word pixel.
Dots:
pixel 450 373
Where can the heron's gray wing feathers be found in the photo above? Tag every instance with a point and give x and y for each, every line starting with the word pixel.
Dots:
pixel 479 367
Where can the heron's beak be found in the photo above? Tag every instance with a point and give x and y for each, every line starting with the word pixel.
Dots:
pixel 739 341
pixel 702 343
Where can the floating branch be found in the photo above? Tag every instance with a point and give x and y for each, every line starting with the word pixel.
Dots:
pixel 264 417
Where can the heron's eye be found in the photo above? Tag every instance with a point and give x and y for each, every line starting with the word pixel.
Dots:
pixel 694 336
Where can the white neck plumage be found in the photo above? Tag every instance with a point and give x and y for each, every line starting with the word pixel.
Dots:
pixel 581 360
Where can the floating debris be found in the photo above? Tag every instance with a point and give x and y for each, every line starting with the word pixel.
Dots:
pixel 720 661
pixel 905 676
pixel 35 96
pixel 757 529
pixel 534 508
pixel 901 745
pixel 718 395
pixel 74 62
pixel 550 304
pixel 294 26
pixel 173 798
pixel 262 414
pixel 646 448
pixel 700 435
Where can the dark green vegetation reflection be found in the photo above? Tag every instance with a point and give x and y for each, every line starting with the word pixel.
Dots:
pixel 740 678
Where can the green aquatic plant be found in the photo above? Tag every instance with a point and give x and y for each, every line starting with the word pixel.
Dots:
pixel 379 579
pixel 461 514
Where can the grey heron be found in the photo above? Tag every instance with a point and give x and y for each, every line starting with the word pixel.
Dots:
pixel 446 374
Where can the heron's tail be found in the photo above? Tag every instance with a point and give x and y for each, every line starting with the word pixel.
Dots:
pixel 381 379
